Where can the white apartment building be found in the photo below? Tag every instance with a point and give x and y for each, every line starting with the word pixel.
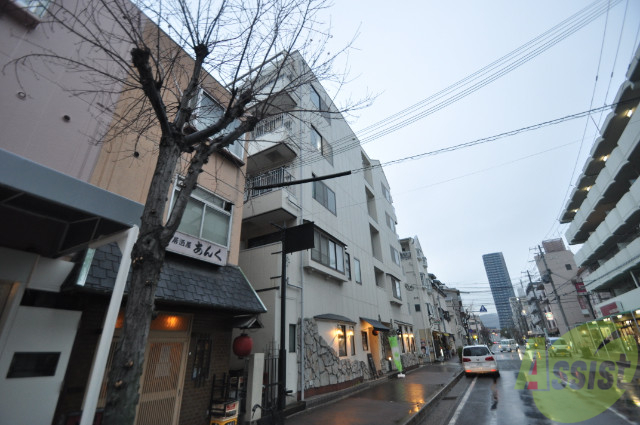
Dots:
pixel 346 295
pixel 604 207
pixel 558 269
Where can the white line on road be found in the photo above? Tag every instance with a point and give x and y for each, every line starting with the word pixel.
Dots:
pixel 454 418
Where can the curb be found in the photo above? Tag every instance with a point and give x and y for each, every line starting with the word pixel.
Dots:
pixel 429 404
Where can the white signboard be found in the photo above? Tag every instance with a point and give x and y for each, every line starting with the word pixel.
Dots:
pixel 199 249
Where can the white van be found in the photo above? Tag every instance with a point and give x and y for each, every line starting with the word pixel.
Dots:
pixel 508 345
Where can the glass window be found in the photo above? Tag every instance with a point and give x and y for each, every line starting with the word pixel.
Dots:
pixel 316 139
pixel 395 286
pixel 206 216
pixel 35 7
pixel 352 340
pixel 365 341
pixel 356 270
pixel 292 338
pixel 342 340
pixel 395 255
pixel 347 265
pixel 386 193
pixel 328 252
pixel 390 222
pixel 315 98
pixel 324 195
pixel 208 113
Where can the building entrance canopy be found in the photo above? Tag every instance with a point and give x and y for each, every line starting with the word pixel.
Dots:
pixel 377 325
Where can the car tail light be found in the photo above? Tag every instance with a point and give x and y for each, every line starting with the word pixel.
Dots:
pixel 466 359
pixel 490 358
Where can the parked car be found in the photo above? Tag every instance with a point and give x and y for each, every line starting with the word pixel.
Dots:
pixel 508 345
pixel 535 345
pixel 559 347
pixel 478 359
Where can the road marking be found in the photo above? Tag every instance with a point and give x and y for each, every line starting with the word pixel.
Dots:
pixel 454 418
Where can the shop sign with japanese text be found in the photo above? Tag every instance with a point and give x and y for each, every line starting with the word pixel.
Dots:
pixel 198 249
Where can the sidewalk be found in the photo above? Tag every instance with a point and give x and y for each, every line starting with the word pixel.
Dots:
pixel 401 401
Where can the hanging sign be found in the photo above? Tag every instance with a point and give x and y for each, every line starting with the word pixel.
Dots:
pixel 395 351
pixel 197 248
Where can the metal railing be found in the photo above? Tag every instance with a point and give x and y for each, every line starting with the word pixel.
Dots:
pixel 275 176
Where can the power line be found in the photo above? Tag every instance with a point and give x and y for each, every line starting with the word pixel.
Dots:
pixel 500 67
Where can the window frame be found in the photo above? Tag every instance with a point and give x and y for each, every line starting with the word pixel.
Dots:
pixel 386 193
pixel 205 205
pixel 357 271
pixel 342 340
pixel 237 147
pixel 320 143
pixel 395 288
pixel 365 340
pixel 328 251
pixel 395 256
pixel 352 340
pixel 324 195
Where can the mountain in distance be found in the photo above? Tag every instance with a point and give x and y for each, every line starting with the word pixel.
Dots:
pixel 490 320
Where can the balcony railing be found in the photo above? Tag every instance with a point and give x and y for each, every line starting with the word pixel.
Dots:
pixel 271 177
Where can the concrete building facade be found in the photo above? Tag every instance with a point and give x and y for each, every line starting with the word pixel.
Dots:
pixel 603 211
pixel 347 295
pixel 501 288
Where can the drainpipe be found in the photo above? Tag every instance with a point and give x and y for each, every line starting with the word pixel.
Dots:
pixel 302 253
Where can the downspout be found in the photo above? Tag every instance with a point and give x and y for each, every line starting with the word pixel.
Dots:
pixel 302 253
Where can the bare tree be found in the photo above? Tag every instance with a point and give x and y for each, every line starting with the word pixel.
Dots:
pixel 143 65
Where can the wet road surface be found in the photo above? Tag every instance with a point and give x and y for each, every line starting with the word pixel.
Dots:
pixel 481 400
pixel 392 403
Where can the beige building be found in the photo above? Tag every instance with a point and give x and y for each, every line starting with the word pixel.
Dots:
pixel 70 209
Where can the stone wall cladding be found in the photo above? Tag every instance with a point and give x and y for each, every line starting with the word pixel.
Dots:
pixel 323 367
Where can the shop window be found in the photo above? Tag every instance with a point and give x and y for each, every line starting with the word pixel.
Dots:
pixel 201 360
pixel 342 340
pixel 352 340
pixel 365 341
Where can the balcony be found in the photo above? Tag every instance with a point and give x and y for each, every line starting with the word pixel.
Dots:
pixel 272 144
pixel 276 204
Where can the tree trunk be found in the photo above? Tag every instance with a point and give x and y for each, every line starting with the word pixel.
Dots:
pixel 147 259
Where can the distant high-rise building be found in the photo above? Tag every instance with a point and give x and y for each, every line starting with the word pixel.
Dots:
pixel 501 288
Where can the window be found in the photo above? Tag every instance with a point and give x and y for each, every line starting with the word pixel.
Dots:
pixel 319 104
pixel 321 144
pixel 206 216
pixel 35 7
pixel 292 338
pixel 365 341
pixel 324 195
pixel 567 266
pixel 342 340
pixel 395 255
pixel 352 340
pixel 386 193
pixel 347 265
pixel 356 271
pixel 417 307
pixel 390 222
pixel 327 251
pixel 395 286
pixel 208 112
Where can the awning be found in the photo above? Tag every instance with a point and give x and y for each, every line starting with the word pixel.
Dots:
pixel 333 318
pixel 183 281
pixel 52 214
pixel 377 325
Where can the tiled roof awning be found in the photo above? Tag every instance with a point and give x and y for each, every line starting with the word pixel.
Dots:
pixel 377 325
pixel 334 318
pixel 184 281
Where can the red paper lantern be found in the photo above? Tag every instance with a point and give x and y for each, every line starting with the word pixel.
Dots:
pixel 374 332
pixel 242 345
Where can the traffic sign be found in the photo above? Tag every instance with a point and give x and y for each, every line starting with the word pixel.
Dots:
pixel 483 309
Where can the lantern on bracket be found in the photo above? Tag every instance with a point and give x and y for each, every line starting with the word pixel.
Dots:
pixel 242 345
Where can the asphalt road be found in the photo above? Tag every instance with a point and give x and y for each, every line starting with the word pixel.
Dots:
pixel 481 400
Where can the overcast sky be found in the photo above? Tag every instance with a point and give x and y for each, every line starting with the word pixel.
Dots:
pixel 503 195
